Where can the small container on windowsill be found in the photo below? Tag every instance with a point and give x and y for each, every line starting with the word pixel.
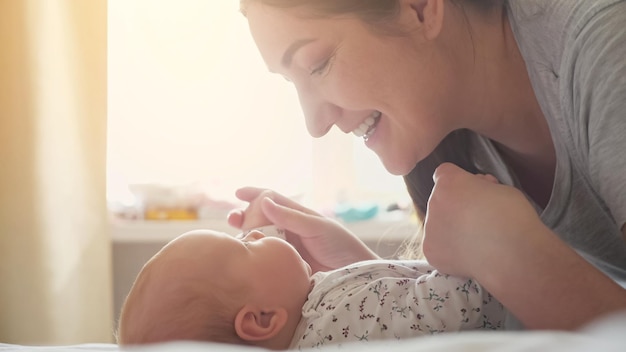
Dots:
pixel 170 214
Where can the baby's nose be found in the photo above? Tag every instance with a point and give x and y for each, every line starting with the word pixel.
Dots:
pixel 254 235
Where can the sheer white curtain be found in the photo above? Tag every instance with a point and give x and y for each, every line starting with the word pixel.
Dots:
pixel 55 266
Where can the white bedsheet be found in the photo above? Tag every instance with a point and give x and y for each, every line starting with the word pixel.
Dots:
pixel 607 335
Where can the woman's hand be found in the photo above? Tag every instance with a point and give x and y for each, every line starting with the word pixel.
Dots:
pixel 477 228
pixel 472 221
pixel 323 243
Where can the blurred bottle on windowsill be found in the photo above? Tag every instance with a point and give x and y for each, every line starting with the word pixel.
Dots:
pixel 159 202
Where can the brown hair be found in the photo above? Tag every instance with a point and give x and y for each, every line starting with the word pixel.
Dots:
pixel 454 148
pixel 368 10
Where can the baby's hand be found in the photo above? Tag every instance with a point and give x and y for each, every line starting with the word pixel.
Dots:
pixel 250 218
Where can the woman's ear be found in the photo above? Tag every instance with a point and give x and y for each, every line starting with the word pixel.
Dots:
pixel 427 15
pixel 255 324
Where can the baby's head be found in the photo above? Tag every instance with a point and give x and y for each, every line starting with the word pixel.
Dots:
pixel 210 286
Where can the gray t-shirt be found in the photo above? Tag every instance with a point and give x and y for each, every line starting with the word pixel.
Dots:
pixel 575 53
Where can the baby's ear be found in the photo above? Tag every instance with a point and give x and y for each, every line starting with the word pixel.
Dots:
pixel 255 324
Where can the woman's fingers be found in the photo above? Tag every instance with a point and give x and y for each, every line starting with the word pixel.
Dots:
pixel 293 220
pixel 491 178
pixel 249 194
pixel 322 242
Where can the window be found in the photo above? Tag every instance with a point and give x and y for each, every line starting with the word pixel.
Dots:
pixel 191 102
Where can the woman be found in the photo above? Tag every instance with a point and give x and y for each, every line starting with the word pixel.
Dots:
pixel 532 92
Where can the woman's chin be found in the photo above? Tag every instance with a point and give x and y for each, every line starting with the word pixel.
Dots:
pixel 397 168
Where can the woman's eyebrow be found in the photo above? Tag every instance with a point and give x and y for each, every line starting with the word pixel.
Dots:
pixel 292 49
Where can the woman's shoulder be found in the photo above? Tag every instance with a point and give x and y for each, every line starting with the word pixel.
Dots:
pixel 574 11
pixel 545 27
pixel 574 52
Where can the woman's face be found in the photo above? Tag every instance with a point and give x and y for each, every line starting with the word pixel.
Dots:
pixel 397 90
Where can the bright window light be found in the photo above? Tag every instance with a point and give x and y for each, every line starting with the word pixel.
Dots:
pixel 191 102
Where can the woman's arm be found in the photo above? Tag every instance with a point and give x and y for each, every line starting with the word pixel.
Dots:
pixel 547 285
pixel 490 232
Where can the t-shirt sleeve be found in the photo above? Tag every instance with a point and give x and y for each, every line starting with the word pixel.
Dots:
pixel 599 97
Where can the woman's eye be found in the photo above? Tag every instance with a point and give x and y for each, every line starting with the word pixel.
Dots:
pixel 323 68
pixel 320 69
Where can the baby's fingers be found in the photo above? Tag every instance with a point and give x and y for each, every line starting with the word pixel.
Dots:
pixel 235 218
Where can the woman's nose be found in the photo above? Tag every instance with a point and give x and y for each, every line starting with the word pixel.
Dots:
pixel 319 115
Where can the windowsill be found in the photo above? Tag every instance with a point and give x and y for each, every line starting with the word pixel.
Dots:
pixel 393 228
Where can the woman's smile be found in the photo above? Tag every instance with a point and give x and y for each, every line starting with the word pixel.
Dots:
pixel 368 127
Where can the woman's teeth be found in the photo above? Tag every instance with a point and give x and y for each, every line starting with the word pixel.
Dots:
pixel 368 126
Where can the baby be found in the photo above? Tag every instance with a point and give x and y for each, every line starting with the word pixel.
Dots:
pixel 257 290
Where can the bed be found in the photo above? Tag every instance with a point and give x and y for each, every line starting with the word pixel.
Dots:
pixel 606 335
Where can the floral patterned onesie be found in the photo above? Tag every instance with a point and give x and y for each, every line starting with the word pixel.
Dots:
pixel 385 299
